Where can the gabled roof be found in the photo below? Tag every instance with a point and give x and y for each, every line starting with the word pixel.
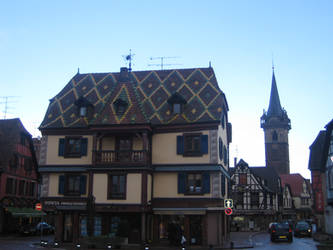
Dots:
pixel 316 161
pixel 145 92
pixel 295 181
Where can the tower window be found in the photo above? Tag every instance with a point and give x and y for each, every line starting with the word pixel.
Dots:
pixel 274 136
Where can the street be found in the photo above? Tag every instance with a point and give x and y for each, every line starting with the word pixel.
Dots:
pixel 260 241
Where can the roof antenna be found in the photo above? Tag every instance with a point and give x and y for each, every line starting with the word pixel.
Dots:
pixel 129 58
pixel 162 58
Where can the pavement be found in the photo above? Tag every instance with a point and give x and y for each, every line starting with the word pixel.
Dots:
pixel 238 240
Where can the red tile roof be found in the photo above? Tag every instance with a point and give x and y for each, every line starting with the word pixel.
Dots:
pixel 295 181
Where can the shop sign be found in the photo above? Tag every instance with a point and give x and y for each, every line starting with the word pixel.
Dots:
pixel 64 203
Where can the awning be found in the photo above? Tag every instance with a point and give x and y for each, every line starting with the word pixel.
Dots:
pixel 24 212
pixel 180 211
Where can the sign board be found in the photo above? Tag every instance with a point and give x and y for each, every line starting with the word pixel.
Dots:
pixel 38 206
pixel 228 211
pixel 228 203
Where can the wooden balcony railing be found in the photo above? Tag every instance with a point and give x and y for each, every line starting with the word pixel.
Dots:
pixel 110 157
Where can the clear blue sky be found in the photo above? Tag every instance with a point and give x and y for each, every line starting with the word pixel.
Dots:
pixel 42 43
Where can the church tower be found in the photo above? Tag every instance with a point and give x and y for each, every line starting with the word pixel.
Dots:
pixel 276 126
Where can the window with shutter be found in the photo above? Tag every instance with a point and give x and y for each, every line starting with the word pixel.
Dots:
pixel 73 147
pixel 192 144
pixel 117 186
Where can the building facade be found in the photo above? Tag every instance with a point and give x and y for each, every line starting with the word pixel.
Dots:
pixel 18 177
pixel 138 156
pixel 276 125
pixel 256 192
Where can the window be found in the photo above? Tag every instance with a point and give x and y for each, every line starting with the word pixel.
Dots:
pixel 194 183
pixel 177 103
pixel 274 136
pixel 192 144
pixel 120 106
pixel 242 179
pixel 330 178
pixel 239 199
pixel 32 187
pixel 220 149
pixel 176 108
pixel 14 161
pixel 71 147
pixel 72 185
pixel 27 164
pixel 11 186
pixel 117 186
pixel 255 199
pixel 21 187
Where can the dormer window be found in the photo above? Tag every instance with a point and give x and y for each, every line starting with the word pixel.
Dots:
pixel 177 102
pixel 83 106
pixel 120 106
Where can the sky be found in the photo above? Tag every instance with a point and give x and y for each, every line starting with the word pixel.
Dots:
pixel 43 43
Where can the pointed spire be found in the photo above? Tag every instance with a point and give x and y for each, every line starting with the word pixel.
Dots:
pixel 274 108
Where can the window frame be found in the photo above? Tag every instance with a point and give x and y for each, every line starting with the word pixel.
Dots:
pixel 75 191
pixel 67 151
pixel 111 194
pixel 192 151
pixel 195 191
pixel 242 177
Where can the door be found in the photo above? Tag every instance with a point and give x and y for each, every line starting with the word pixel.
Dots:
pixel 124 148
pixel 68 228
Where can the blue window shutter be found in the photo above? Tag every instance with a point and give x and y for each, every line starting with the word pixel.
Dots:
pixel 180 144
pixel 204 144
pixel 181 183
pixel 61 150
pixel 206 183
pixel 83 184
pixel 84 145
pixel 61 184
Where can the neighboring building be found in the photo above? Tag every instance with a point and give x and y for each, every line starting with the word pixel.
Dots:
pixel 301 195
pixel 288 206
pixel 256 193
pixel 139 156
pixel 18 177
pixel 317 166
pixel 276 126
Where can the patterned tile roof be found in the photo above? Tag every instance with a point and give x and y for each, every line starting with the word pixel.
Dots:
pixel 145 94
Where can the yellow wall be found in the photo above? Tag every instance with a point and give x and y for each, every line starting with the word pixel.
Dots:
pixel 165 150
pixel 108 143
pixel 52 157
pixel 133 189
pixel 166 186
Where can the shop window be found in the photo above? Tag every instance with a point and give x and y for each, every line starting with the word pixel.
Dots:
pixel 193 183
pixel 98 226
pixel 72 185
pixel 117 186
pixel 71 147
pixel 83 226
pixel 192 144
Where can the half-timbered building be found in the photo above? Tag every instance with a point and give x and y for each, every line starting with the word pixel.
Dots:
pixel 256 192
pixel 137 155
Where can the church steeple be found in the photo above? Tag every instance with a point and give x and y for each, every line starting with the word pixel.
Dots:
pixel 276 125
pixel 274 108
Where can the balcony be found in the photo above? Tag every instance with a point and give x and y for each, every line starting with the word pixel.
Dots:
pixel 122 157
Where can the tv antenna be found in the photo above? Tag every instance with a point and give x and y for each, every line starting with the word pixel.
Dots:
pixel 162 61
pixel 129 59
pixel 6 101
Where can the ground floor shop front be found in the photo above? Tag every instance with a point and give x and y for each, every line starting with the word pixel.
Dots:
pixel 155 227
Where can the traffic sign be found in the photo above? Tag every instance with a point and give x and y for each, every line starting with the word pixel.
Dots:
pixel 228 203
pixel 38 206
pixel 228 211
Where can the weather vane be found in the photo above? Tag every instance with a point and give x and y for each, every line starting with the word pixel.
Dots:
pixel 129 59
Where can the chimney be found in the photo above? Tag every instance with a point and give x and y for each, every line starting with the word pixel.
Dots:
pixel 235 161
pixel 123 77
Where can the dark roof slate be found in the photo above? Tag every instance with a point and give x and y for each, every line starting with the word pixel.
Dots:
pixel 146 93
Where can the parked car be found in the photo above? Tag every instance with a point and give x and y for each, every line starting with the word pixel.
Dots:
pixel 281 231
pixel 270 226
pixel 47 229
pixel 302 228
pixel 28 229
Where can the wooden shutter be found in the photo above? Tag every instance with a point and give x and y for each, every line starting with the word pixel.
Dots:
pixel 61 149
pixel 206 183
pixel 84 145
pixel 83 184
pixel 181 183
pixel 180 144
pixel 204 144
pixel 61 184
